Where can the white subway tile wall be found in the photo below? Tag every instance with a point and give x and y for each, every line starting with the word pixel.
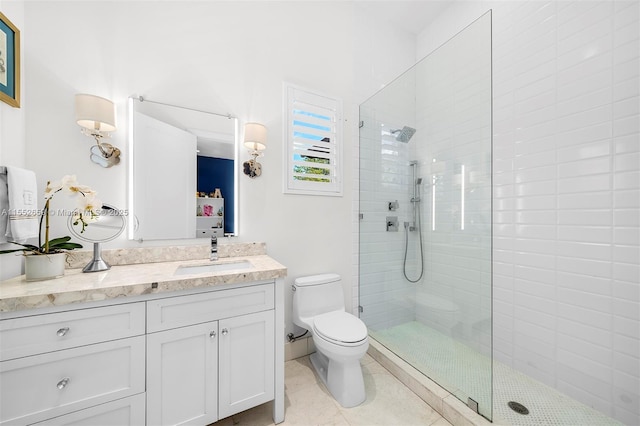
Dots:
pixel 566 193
pixel 384 177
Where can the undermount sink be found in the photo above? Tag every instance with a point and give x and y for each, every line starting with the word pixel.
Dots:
pixel 212 267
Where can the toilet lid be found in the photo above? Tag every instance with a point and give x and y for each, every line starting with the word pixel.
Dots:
pixel 340 327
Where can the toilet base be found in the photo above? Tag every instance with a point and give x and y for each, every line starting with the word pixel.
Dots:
pixel 344 380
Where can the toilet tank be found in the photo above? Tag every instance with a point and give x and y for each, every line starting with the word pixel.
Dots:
pixel 316 295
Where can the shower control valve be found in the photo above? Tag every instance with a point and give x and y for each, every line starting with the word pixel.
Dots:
pixel 392 223
pixel 394 205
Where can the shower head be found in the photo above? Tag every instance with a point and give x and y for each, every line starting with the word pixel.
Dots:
pixel 404 134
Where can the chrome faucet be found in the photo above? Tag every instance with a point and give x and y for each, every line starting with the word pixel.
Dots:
pixel 214 248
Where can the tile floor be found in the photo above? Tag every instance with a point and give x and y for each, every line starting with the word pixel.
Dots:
pixel 308 402
pixel 465 371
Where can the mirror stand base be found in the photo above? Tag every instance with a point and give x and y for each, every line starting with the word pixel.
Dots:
pixel 96 264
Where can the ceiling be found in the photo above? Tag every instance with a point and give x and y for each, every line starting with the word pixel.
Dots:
pixel 412 15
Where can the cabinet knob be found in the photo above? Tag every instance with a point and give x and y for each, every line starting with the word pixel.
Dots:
pixel 63 383
pixel 63 331
pixel 225 331
pixel 212 334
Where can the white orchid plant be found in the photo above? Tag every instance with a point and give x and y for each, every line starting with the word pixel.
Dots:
pixel 86 212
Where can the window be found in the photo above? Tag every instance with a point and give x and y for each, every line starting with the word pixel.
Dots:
pixel 313 129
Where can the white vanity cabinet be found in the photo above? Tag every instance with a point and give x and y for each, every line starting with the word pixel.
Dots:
pixel 186 357
pixel 210 355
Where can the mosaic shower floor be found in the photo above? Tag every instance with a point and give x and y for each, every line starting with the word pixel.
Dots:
pixel 465 372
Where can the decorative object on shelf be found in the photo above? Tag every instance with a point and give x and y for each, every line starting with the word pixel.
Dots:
pixel 217 193
pixel 255 140
pixel 97 117
pixel 109 224
pixel 209 217
pixel 9 62
pixel 52 266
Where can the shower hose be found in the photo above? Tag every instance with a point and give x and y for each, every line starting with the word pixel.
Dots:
pixel 406 247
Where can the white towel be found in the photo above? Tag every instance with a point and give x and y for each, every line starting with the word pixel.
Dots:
pixel 22 194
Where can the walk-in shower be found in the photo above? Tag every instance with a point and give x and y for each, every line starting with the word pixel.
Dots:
pixel 425 291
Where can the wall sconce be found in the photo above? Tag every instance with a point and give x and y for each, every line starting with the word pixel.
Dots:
pixel 97 117
pixel 255 140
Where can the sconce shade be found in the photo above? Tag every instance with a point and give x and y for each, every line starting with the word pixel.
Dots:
pixel 95 113
pixel 255 136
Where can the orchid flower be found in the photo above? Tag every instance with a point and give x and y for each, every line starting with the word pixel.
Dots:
pixel 88 211
pixel 52 188
pixel 71 185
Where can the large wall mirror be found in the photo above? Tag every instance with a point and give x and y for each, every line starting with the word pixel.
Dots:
pixel 182 173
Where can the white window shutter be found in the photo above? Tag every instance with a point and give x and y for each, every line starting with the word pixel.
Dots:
pixel 313 126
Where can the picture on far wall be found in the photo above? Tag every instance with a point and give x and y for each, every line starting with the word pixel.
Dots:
pixel 9 62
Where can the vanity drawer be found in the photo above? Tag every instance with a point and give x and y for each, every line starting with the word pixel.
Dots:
pixel 43 386
pixel 165 314
pixel 51 332
pixel 122 412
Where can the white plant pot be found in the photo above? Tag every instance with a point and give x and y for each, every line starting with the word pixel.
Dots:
pixel 39 267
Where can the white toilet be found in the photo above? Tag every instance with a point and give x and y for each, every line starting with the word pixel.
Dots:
pixel 340 338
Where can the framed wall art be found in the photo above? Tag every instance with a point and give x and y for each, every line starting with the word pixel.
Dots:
pixel 9 62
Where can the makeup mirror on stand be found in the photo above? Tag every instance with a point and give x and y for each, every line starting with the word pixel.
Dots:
pixel 110 224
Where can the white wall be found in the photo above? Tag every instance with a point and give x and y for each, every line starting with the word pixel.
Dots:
pixel 566 193
pixel 217 56
pixel 12 124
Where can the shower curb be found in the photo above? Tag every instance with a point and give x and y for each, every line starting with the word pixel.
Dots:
pixel 438 398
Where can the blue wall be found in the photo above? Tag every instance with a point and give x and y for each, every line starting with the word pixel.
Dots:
pixel 218 173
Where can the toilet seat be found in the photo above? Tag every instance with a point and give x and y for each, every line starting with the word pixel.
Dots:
pixel 340 328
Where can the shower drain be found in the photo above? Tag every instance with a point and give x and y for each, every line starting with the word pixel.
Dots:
pixel 518 408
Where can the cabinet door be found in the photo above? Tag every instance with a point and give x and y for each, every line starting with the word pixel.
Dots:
pixel 246 362
pixel 182 375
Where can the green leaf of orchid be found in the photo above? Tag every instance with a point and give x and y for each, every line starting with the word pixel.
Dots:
pixel 59 240
pixel 14 250
pixel 26 247
pixel 65 246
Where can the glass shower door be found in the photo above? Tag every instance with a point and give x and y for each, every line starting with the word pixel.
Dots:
pixel 425 201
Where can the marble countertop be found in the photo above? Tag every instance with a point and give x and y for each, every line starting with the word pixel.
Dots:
pixel 130 280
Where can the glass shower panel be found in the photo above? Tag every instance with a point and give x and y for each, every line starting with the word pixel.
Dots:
pixel 425 166
pixel 384 179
